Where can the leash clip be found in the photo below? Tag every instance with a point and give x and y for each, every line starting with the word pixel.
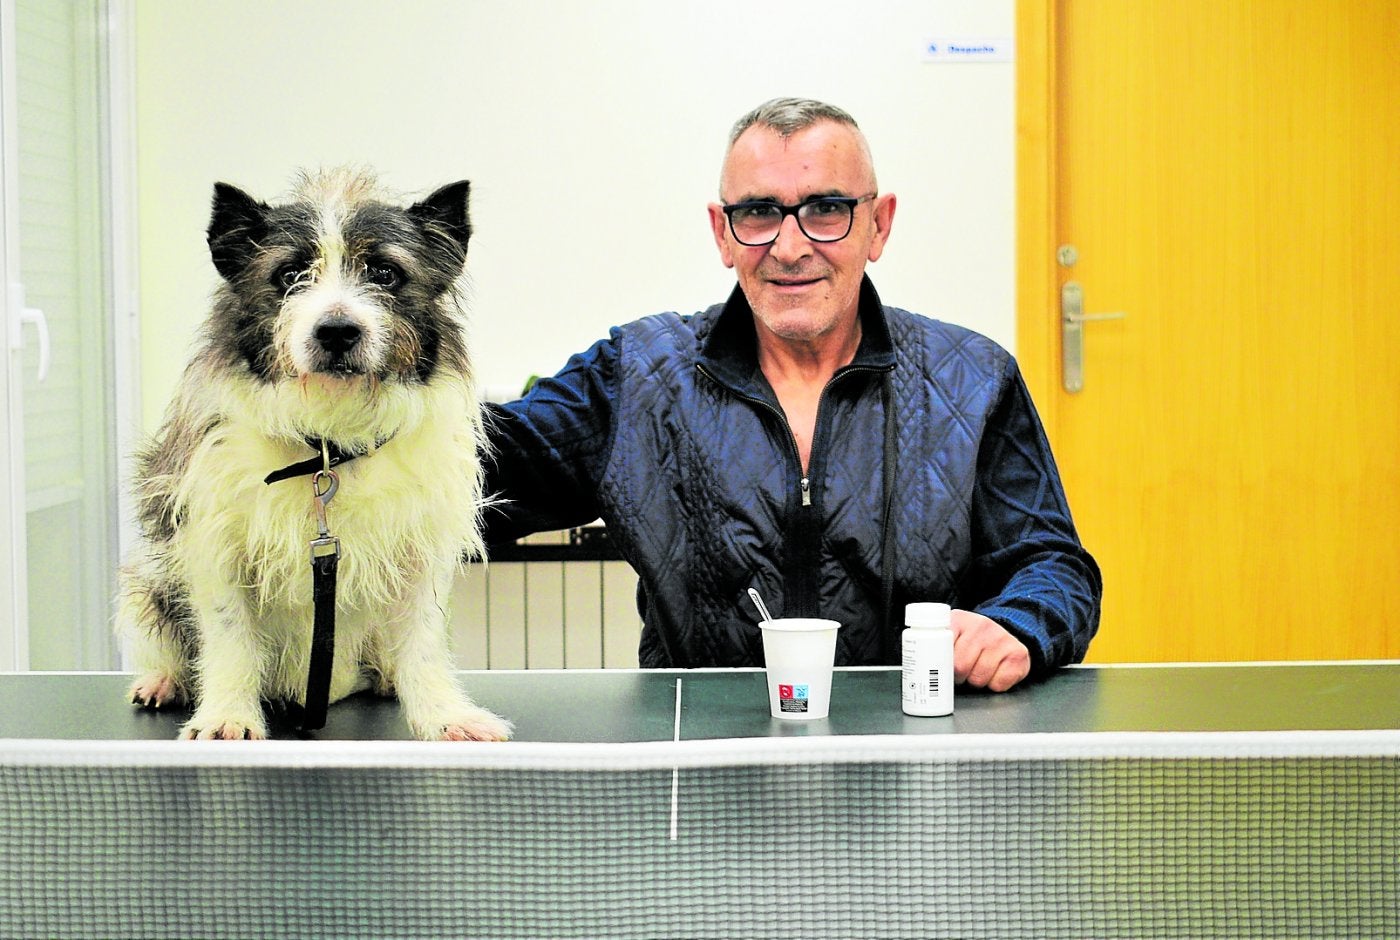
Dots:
pixel 324 544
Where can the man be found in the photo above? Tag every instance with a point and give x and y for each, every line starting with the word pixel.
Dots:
pixel 843 457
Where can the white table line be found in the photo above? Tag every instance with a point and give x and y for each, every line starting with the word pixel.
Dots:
pixel 676 771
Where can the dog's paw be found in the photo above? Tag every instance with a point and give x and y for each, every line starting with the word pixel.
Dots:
pixel 202 728
pixel 476 724
pixel 156 690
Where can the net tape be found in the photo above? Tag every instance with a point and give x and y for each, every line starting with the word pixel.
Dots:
pixel 723 752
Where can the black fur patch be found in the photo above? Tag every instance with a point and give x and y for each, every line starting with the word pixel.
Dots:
pixel 253 245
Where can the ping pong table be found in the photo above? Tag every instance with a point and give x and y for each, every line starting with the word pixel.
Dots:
pixel 611 706
pixel 1188 800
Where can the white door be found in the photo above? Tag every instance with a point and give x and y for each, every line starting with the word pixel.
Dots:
pixel 59 521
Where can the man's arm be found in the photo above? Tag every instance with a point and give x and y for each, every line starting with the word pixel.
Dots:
pixel 548 450
pixel 1030 576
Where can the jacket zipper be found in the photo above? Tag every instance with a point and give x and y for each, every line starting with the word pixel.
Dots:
pixel 799 574
pixel 805 483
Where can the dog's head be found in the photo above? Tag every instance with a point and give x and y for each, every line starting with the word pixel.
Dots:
pixel 340 281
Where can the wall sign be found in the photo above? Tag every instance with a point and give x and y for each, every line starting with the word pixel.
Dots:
pixel 969 50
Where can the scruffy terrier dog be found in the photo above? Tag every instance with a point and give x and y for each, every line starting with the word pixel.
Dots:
pixel 337 338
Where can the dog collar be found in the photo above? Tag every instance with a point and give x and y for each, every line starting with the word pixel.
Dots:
pixel 332 455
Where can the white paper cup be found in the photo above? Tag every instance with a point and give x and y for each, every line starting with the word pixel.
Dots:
pixel 799 652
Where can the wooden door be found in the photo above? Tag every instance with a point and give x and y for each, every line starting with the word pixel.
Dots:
pixel 1228 175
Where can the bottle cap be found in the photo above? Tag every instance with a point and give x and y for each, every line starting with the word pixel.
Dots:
pixel 927 615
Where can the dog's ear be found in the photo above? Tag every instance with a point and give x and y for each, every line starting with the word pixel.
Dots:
pixel 236 226
pixel 445 212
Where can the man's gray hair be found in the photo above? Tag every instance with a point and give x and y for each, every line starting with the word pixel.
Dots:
pixel 787 116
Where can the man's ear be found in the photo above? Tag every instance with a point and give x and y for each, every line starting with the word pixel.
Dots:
pixel 883 215
pixel 719 225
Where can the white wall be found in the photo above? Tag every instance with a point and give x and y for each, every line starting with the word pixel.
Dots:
pixel 592 133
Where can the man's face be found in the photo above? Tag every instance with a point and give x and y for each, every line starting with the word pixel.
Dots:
pixel 801 290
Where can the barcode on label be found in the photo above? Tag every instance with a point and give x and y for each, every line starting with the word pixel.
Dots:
pixel 933 683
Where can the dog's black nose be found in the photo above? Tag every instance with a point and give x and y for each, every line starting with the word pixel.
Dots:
pixel 337 336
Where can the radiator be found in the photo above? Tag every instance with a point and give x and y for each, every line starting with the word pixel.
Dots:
pixel 546 614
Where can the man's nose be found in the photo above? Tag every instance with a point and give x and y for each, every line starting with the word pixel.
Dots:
pixel 792 243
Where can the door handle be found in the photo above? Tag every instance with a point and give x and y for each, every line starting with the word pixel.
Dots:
pixel 41 323
pixel 34 316
pixel 1072 320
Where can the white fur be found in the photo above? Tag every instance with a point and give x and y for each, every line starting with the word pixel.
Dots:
pixel 405 515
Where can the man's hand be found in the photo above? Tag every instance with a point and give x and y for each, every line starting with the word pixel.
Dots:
pixel 985 656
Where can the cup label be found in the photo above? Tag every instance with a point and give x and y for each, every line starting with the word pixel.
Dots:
pixel 792 698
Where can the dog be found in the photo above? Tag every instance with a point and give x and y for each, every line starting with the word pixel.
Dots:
pixel 337 335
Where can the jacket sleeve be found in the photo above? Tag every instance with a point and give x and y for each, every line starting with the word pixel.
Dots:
pixel 1029 571
pixel 547 451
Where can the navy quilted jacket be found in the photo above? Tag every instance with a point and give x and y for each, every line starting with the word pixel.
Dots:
pixel 669 432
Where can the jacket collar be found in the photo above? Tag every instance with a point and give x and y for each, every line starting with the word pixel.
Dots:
pixel 730 352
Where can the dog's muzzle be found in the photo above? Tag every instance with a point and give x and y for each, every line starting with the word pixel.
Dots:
pixel 338 342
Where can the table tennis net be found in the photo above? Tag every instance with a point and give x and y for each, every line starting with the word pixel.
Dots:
pixel 792 837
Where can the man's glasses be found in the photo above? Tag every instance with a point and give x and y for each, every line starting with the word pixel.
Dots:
pixel 821 218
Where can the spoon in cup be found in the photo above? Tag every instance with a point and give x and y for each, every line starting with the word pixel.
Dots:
pixel 762 607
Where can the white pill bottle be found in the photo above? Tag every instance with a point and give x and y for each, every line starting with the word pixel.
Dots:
pixel 928 660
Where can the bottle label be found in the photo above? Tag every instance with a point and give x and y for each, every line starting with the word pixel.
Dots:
pixel 926 673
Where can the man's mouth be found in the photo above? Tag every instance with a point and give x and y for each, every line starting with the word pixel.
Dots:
pixel 793 282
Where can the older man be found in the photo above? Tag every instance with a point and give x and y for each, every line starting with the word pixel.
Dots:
pixel 842 456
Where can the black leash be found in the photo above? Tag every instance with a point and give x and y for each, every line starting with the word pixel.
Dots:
pixel 325 561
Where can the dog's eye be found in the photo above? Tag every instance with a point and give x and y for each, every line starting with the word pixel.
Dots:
pixel 382 274
pixel 288 275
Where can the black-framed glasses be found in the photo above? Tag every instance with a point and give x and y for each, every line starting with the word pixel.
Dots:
pixel 821 218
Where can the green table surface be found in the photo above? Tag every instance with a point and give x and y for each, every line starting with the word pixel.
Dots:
pixel 613 706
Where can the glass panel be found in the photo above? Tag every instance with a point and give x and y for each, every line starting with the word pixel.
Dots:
pixel 69 464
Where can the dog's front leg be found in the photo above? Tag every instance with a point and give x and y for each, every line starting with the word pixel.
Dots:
pixel 418 662
pixel 229 666
pixel 151 618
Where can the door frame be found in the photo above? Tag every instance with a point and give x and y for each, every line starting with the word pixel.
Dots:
pixel 1037 222
pixel 14 605
pixel 119 125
